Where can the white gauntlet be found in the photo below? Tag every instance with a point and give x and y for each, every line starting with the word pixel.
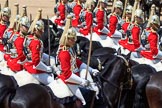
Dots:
pixel 90 69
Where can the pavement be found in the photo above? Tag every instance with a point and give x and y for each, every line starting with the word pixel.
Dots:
pixel 32 7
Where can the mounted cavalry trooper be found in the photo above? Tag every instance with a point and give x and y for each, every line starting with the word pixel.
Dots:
pixel 17 40
pixel 100 18
pixel 152 50
pixel 147 30
pixel 73 71
pixel 115 22
pixel 61 11
pixel 33 50
pixel 125 25
pixel 77 7
pixel 4 23
pixel 12 29
pixel 134 32
pixel 85 29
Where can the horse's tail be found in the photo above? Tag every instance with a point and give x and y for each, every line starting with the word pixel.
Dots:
pixel 140 100
pixel 4 91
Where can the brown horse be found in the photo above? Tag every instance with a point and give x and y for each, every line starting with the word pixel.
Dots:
pixel 154 91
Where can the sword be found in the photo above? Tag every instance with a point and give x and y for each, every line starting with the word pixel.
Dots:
pixel 49 49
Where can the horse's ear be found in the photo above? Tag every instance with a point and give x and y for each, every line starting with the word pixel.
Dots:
pixel 119 51
pixel 128 55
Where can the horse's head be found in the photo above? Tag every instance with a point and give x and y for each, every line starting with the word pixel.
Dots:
pixel 50 32
pixel 116 68
pixel 113 78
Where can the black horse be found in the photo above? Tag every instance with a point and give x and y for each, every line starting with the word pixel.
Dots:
pixel 154 90
pixel 82 46
pixel 35 96
pixel 112 79
pixel 136 96
pixel 54 34
pixel 12 96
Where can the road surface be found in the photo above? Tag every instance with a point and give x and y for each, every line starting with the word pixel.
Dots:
pixel 32 7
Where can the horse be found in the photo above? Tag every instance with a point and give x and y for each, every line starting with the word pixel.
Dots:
pixel 32 96
pixel 154 91
pixel 54 34
pixel 82 46
pixel 27 96
pixel 99 54
pixel 112 79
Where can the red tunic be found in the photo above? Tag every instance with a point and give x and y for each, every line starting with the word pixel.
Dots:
pixel 124 28
pixel 153 41
pixel 113 21
pixel 100 21
pixel 135 38
pixel 35 48
pixel 65 59
pixel 2 30
pixel 12 62
pixel 76 10
pixel 60 20
pixel 88 20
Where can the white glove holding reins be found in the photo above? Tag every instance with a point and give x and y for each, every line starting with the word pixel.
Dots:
pixel 94 72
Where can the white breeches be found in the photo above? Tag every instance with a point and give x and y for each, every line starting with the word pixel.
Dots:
pixel 135 55
pixel 1 56
pixel 116 36
pixel 45 58
pixel 76 91
pixel 44 78
pixel 83 75
pixel 75 88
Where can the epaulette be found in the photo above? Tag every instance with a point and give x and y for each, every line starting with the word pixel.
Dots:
pixel 63 48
